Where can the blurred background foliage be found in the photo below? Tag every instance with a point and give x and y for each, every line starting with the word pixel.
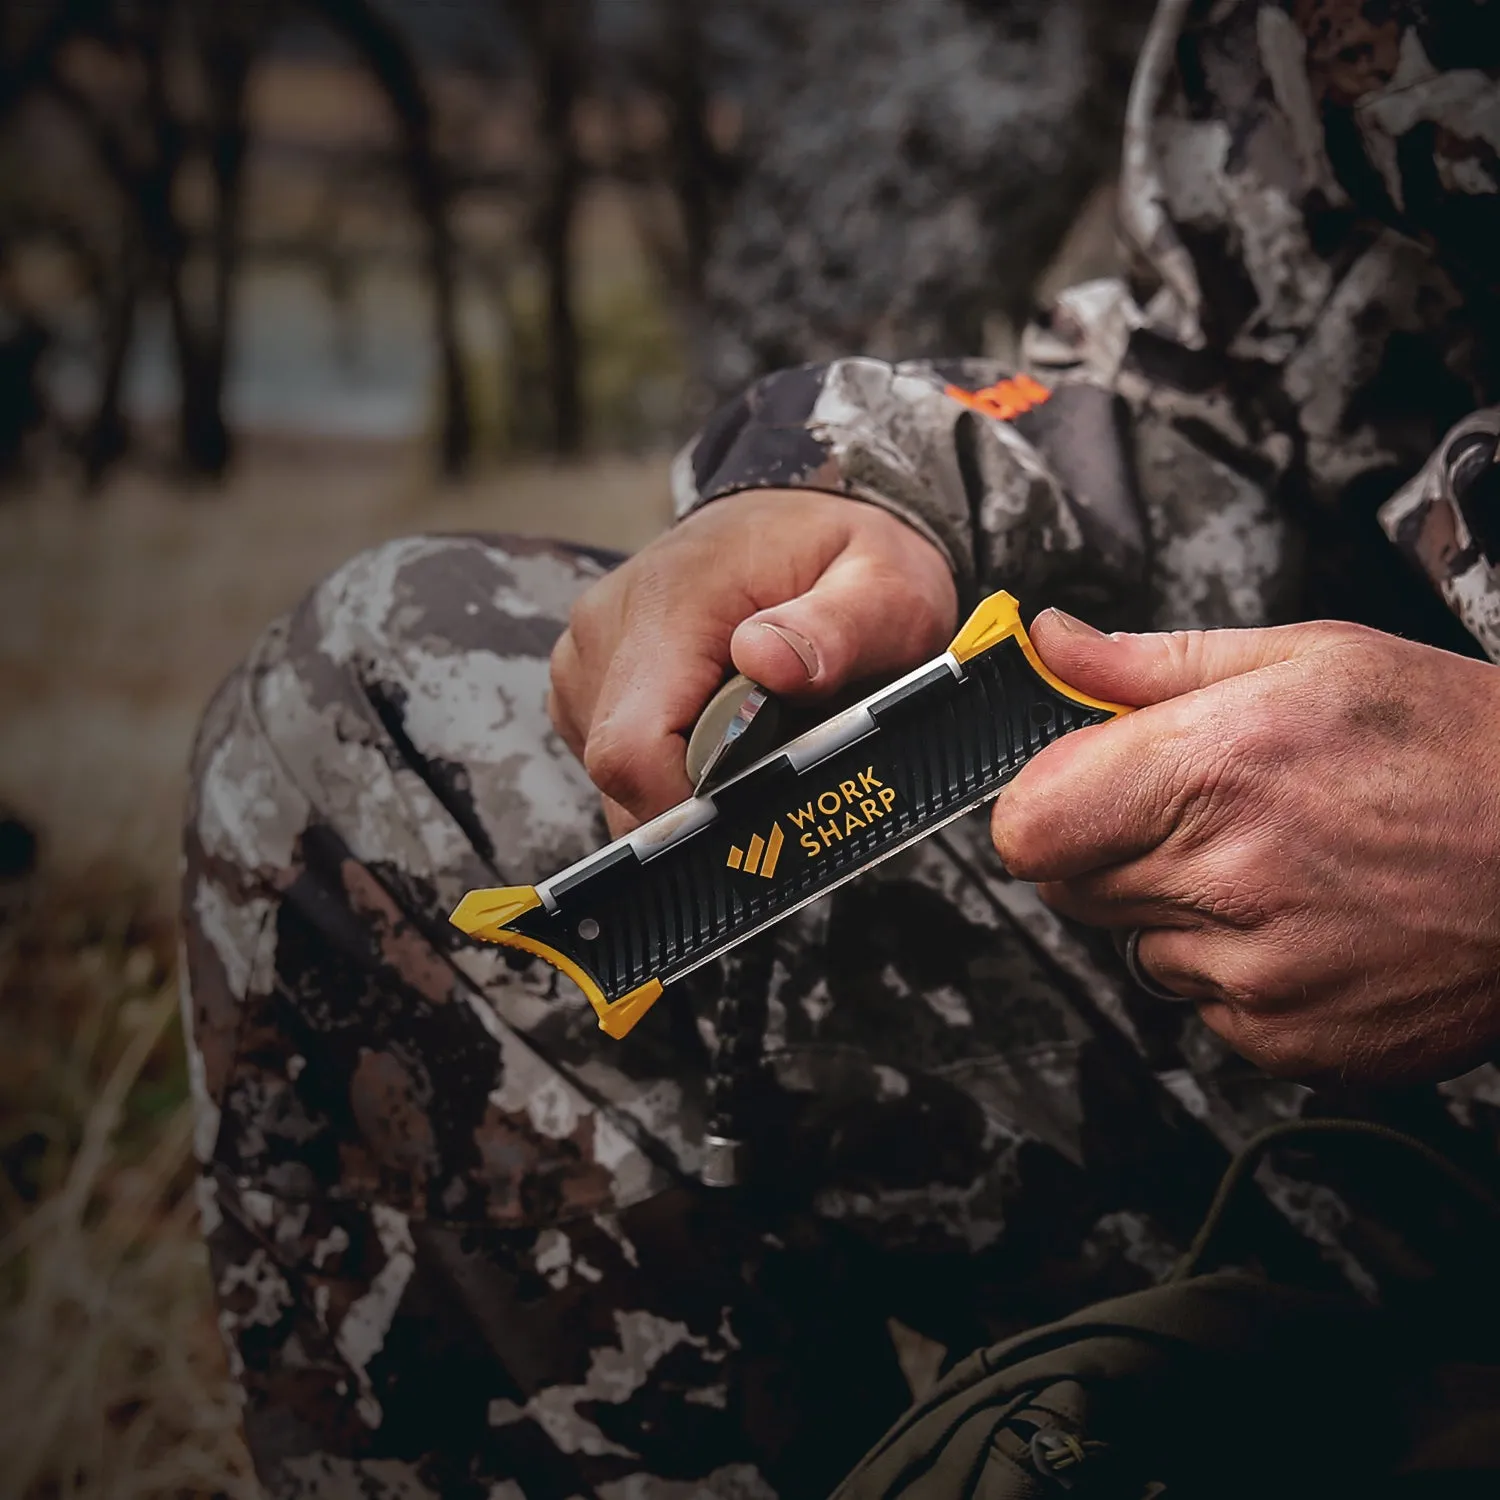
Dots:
pixel 282 278
pixel 341 215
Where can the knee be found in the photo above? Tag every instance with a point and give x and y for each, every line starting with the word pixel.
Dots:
pixel 402 705
pixel 452 596
pixel 444 641
pixel 431 648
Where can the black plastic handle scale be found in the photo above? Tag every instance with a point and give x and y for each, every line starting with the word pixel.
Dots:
pixel 703 877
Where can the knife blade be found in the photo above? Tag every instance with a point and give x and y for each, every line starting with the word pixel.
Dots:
pixel 737 726
pixel 797 823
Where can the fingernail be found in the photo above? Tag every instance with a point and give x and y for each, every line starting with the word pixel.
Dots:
pixel 1071 623
pixel 807 653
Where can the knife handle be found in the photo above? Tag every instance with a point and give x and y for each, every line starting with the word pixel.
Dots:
pixel 870 781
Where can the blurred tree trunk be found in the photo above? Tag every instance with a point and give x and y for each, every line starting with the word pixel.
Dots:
pixel 107 436
pixel 145 175
pixel 696 168
pixel 228 50
pixel 30 57
pixel 557 37
pixel 386 54
pixel 562 81
pixel 203 435
pixel 143 145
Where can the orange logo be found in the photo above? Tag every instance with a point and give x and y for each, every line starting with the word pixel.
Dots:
pixel 1006 399
pixel 752 862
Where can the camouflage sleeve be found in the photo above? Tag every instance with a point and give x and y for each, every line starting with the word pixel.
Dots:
pixel 1308 202
pixel 1021 486
pixel 1447 522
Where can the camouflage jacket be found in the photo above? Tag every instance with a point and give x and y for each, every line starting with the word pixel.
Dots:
pixel 459 1249
pixel 1305 352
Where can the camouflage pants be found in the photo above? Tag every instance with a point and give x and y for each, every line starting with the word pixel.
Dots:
pixel 457 1236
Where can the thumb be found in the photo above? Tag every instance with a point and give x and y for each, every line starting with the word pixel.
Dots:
pixel 1154 666
pixel 858 620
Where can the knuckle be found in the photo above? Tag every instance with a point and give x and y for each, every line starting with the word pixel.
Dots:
pixel 1346 635
pixel 1237 899
pixel 1369 691
pixel 613 762
pixel 564 683
pixel 1248 972
pixel 1357 667
pixel 587 604
pixel 1282 1050
pixel 1256 734
pixel 1242 884
pixel 591 610
pixel 606 756
pixel 926 622
pixel 1209 790
pixel 1356 659
pixel 1239 990
pixel 1274 1043
pixel 581 629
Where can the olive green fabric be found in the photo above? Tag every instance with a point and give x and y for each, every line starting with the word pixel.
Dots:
pixel 1222 1385
pixel 1227 1384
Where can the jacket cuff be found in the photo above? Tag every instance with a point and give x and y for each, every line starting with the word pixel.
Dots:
pixel 852 428
pixel 1447 521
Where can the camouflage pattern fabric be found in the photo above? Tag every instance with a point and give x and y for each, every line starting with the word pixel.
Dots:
pixel 1312 198
pixel 457 1237
pixel 898 231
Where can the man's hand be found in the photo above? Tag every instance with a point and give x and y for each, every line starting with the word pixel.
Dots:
pixel 1306 823
pixel 801 591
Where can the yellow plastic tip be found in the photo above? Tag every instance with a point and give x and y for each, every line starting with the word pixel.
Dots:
pixel 482 914
pixel 997 619
pixel 618 1019
pixel 485 914
pixel 993 620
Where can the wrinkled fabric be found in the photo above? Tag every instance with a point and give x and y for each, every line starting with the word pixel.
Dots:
pixel 458 1239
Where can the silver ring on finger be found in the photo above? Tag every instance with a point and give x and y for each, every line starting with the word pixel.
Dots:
pixel 1137 972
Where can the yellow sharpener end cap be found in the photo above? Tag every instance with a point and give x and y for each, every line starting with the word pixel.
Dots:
pixel 486 915
pixel 619 1018
pixel 997 619
pixel 482 914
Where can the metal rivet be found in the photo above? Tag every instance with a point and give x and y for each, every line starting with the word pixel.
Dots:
pixel 721 1162
pixel 588 929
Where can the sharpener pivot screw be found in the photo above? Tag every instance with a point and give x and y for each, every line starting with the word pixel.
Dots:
pixel 588 929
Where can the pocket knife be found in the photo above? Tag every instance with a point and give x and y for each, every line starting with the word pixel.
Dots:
pixel 795 824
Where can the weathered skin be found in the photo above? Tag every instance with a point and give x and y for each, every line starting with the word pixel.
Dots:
pixel 457 1237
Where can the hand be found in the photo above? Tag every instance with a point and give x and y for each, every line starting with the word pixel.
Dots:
pixel 1306 823
pixel 800 590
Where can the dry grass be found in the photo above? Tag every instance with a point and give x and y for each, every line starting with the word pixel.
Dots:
pixel 111 1373
pixel 117 616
